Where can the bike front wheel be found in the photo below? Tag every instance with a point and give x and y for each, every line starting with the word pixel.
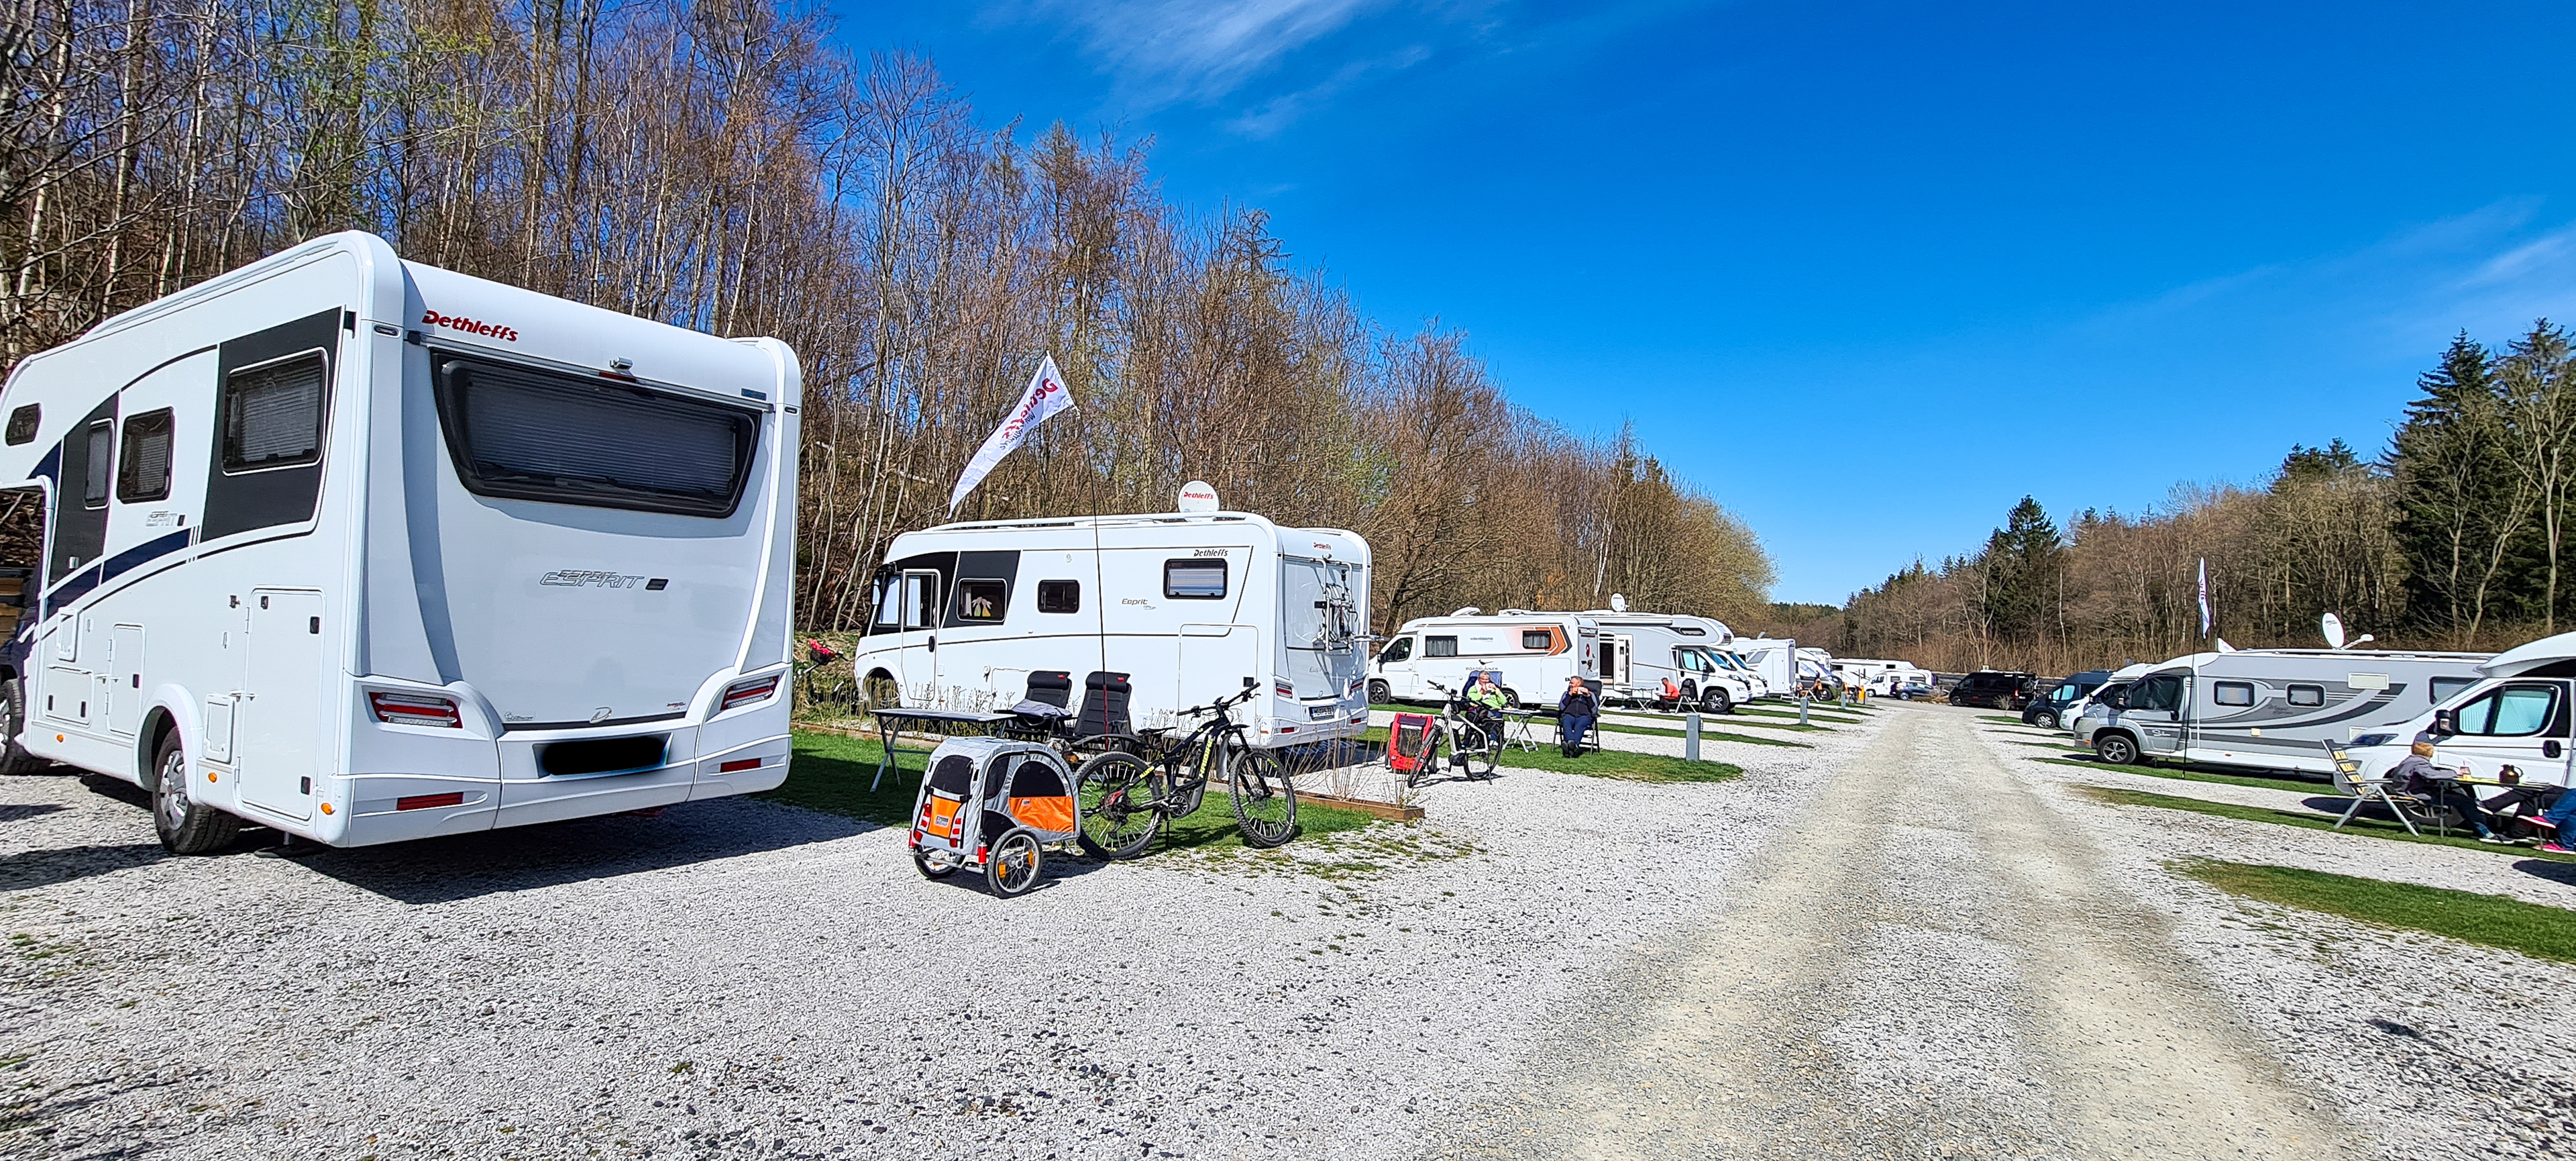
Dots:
pixel 1477 747
pixel 1121 801
pixel 1265 801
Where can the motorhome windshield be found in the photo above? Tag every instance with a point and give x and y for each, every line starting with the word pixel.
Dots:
pixel 532 434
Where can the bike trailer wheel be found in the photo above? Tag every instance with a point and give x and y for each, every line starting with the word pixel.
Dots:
pixel 933 867
pixel 1011 867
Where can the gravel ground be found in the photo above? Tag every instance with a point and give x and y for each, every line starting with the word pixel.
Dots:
pixel 739 978
pixel 2440 1049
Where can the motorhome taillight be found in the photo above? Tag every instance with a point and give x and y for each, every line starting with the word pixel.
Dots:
pixel 747 692
pixel 1285 689
pixel 737 765
pixel 430 801
pixel 416 709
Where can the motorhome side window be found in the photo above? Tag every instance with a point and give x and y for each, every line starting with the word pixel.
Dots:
pixel 888 609
pixel 1195 579
pixel 1400 649
pixel 2444 688
pixel 143 464
pixel 2513 711
pixel 273 414
pixel 22 424
pixel 2307 696
pixel 527 433
pixel 101 436
pixel 2156 693
pixel 1059 596
pixel 1537 639
pixel 982 600
pixel 1440 647
pixel 2233 693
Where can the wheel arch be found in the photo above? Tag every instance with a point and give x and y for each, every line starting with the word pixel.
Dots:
pixel 172 711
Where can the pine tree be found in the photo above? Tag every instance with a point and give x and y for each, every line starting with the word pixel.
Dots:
pixel 2461 512
pixel 2023 560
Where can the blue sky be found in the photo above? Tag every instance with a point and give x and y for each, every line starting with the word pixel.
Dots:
pixel 1866 272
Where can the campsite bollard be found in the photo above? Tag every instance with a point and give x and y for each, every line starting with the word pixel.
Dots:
pixel 1690 739
pixel 1802 711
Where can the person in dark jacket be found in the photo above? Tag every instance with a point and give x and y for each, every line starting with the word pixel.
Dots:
pixel 1575 713
pixel 2417 775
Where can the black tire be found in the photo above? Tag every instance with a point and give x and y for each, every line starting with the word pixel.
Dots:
pixel 2116 749
pixel 1717 700
pixel 930 870
pixel 1425 761
pixel 1478 748
pixel 1378 693
pixel 186 828
pixel 14 758
pixel 2044 719
pixel 1118 794
pixel 1265 800
pixel 1012 866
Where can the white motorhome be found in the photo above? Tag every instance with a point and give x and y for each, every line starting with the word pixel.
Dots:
pixel 361 550
pixel 1533 654
pixel 1880 677
pixel 2517 713
pixel 1774 658
pixel 2094 705
pixel 1727 660
pixel 1641 651
pixel 2271 709
pixel 1187 605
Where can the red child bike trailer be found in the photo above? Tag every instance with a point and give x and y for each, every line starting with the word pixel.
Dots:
pixel 994 803
pixel 1408 742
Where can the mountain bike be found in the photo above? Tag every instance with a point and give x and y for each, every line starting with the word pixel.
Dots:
pixel 1470 745
pixel 1127 798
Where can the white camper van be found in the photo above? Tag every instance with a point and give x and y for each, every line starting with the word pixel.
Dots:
pixel 1186 605
pixel 1641 651
pixel 362 550
pixel 2517 713
pixel 1728 661
pixel 1532 652
pixel 2271 709
pixel 1775 658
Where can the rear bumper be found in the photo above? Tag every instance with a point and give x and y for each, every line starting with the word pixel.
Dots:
pixel 415 782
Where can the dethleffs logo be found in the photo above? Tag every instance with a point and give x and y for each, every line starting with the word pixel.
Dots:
pixel 470 326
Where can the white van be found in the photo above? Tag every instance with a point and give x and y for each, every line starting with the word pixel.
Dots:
pixel 1533 653
pixel 1186 604
pixel 2516 713
pixel 362 550
pixel 1774 658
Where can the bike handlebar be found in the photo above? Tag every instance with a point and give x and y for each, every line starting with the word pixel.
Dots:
pixel 1221 703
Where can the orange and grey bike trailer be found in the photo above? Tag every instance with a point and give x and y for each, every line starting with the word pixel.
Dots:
pixel 993 803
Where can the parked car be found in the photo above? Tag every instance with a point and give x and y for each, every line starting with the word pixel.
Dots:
pixel 2048 710
pixel 1995 689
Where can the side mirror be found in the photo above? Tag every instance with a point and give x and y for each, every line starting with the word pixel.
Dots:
pixel 2444 723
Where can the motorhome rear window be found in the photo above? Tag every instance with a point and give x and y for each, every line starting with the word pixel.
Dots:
pixel 1537 639
pixel 2307 695
pixel 102 439
pixel 2236 693
pixel 1059 596
pixel 22 424
pixel 143 464
pixel 1440 647
pixel 1195 579
pixel 530 434
pixel 273 414
pixel 983 600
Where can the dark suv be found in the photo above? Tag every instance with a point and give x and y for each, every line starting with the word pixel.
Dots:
pixel 1995 689
pixel 2048 710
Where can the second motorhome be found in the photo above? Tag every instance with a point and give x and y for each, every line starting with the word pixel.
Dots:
pixel 1642 652
pixel 1531 654
pixel 2271 709
pixel 2516 714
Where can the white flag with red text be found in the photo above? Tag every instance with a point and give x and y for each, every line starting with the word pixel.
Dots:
pixel 1046 396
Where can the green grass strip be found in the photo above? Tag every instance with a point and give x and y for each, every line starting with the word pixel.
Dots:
pixel 2488 920
pixel 830 773
pixel 1617 764
pixel 2292 785
pixel 2362 825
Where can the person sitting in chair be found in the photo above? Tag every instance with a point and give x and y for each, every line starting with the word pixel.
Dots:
pixel 2417 775
pixel 1485 703
pixel 1575 713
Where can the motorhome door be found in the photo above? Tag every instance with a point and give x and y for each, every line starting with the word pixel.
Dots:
pixel 1617 651
pixel 2155 711
pixel 1395 667
pixel 2522 724
pixel 278 741
pixel 917 596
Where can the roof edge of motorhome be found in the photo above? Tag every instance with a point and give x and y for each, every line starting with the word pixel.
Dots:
pixel 1126 520
pixel 291 256
pixel 2531 655
pixel 2197 660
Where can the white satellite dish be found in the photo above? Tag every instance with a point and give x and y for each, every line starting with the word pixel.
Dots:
pixel 1469 611
pixel 1618 602
pixel 2333 626
pixel 1198 496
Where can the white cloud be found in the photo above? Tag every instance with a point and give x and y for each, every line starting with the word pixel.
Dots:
pixel 1198 49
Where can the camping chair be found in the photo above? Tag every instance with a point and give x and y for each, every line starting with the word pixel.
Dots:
pixel 1051 687
pixel 2368 790
pixel 1044 710
pixel 1104 707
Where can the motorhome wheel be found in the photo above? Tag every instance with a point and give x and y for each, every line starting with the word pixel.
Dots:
pixel 1378 693
pixel 1012 866
pixel 186 828
pixel 2116 749
pixel 14 758
pixel 1717 701
pixel 1511 697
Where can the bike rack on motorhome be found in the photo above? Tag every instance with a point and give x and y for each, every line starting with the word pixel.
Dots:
pixel 1170 609
pixel 363 550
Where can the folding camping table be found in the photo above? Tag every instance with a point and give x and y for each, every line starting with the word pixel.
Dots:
pixel 1517 729
pixel 892 721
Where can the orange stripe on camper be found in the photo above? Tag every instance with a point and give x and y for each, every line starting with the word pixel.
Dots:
pixel 1049 812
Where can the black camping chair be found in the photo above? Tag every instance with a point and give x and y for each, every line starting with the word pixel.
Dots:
pixel 1051 687
pixel 1104 709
